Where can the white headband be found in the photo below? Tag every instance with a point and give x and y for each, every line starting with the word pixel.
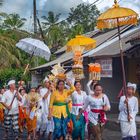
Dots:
pixel 133 85
pixel 11 82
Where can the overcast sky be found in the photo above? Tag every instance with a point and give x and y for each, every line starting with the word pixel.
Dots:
pixel 24 7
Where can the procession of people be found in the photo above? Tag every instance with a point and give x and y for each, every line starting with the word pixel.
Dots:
pixel 53 109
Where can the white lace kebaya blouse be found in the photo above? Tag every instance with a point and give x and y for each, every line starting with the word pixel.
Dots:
pixel 95 103
pixel 78 101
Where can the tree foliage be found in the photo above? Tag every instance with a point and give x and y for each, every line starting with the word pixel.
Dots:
pixel 11 73
pixel 12 21
pixel 9 54
pixel 81 19
pixel 84 15
pixel 54 32
pixel 51 19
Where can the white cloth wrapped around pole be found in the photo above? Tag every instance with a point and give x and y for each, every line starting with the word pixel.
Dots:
pixel 35 47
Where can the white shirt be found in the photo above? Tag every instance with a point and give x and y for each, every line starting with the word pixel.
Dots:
pixel 95 103
pixel 45 102
pixel 7 99
pixel 23 100
pixel 133 108
pixel 78 99
pixel 88 88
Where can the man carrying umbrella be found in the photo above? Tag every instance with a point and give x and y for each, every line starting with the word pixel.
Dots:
pixel 10 102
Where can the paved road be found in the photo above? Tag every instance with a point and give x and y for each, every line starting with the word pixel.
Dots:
pixel 112 131
pixel 108 135
pixel 111 135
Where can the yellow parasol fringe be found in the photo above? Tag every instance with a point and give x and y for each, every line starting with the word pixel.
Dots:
pixel 111 23
pixel 117 16
pixel 80 43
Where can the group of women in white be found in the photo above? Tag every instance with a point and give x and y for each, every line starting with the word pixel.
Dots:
pixel 86 111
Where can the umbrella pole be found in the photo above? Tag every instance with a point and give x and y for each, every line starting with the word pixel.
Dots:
pixel 27 66
pixel 123 69
pixel 25 70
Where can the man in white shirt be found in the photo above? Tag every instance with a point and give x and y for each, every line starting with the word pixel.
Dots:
pixel 10 102
pixel 45 124
pixel 127 122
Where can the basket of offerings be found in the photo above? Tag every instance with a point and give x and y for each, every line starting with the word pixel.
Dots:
pixel 95 71
pixel 78 72
pixel 59 72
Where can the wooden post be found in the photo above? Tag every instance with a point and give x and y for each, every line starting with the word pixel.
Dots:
pixel 35 17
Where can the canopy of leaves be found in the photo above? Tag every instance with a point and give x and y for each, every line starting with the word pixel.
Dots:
pixel 84 14
pixel 10 56
pixel 12 21
pixel 81 19
pixel 50 19
pixel 54 32
pixel 11 73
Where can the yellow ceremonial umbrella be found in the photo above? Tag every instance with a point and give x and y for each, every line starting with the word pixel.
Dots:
pixel 80 43
pixel 115 17
pixel 77 45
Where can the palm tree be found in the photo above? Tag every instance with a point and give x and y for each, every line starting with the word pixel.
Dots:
pixel 51 19
pixel 12 21
pixel 9 56
pixel 53 30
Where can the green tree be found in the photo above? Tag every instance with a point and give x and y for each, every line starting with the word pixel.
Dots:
pixel 11 73
pixel 9 56
pixel 84 15
pixel 12 21
pixel 51 19
pixel 76 30
pixel 53 30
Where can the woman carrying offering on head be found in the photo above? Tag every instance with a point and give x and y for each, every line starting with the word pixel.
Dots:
pixel 58 109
